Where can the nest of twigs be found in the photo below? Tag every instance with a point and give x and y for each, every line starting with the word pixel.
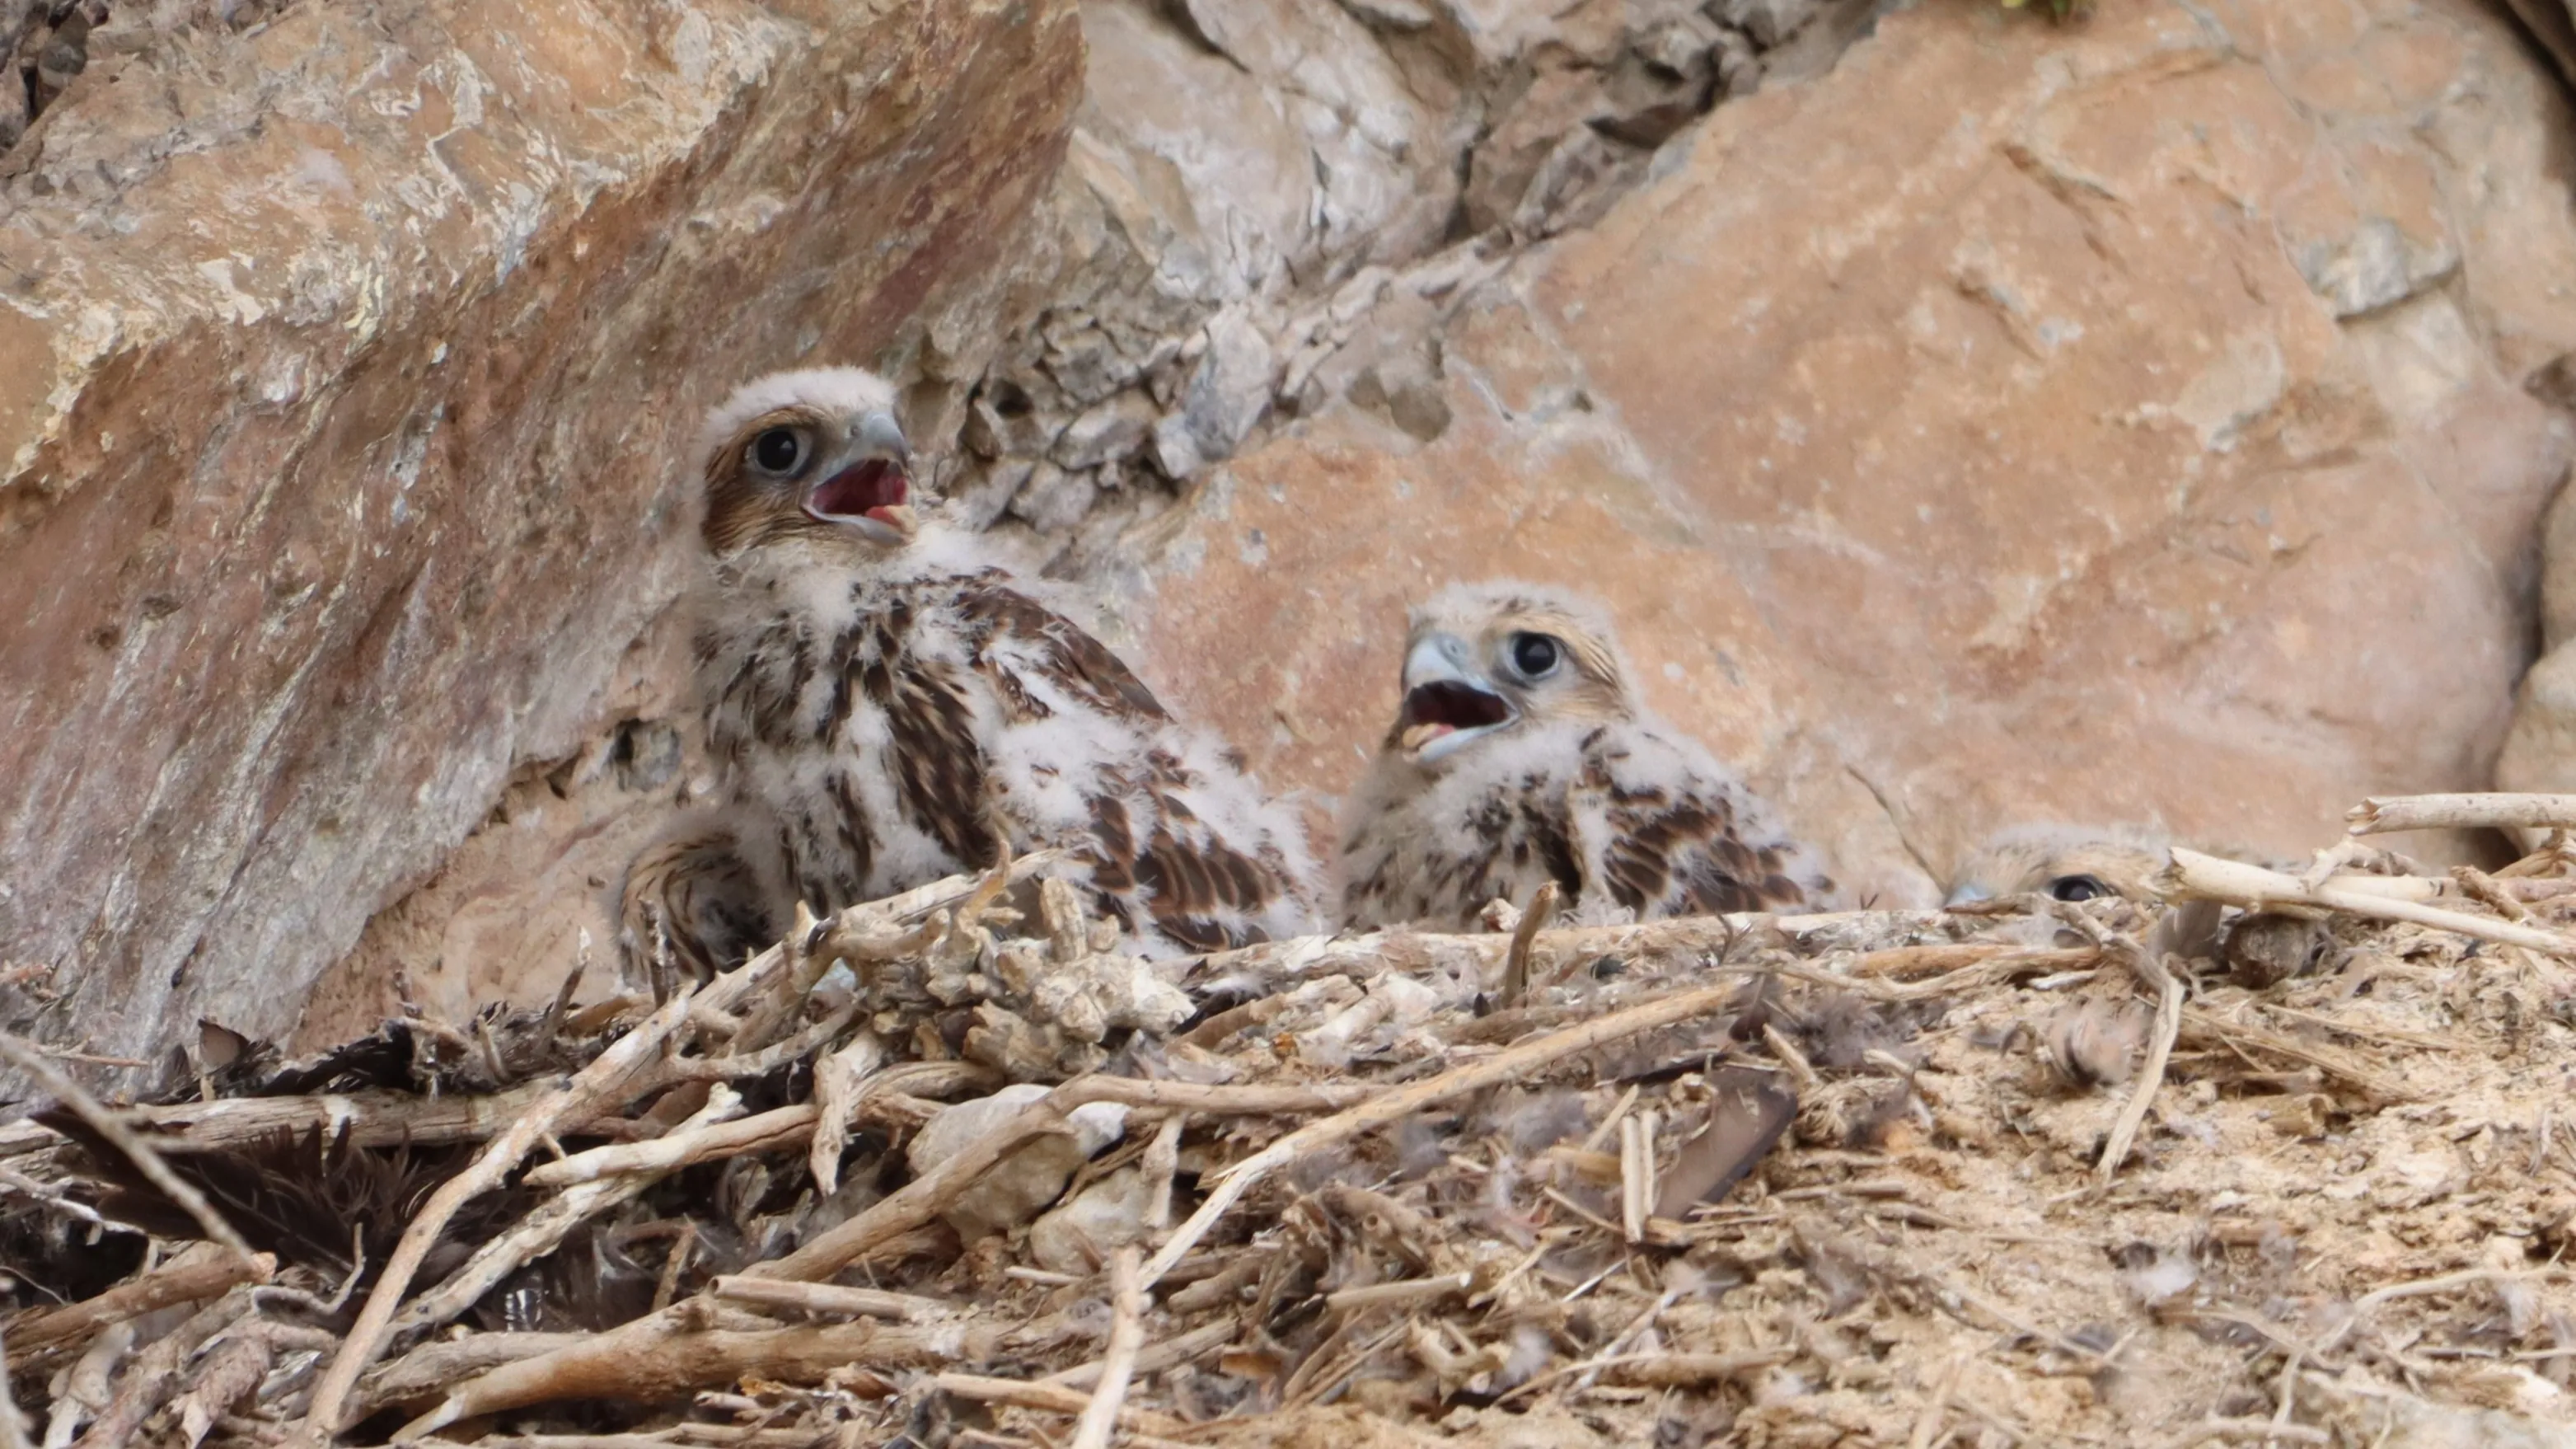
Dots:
pixel 2280 1161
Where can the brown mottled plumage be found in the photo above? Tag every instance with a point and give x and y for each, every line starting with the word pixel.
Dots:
pixel 1519 755
pixel 890 708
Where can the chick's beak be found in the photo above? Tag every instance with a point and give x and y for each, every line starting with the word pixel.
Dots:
pixel 1447 701
pixel 868 486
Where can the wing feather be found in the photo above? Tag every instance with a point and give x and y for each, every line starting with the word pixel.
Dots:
pixel 691 900
pixel 940 764
pixel 1067 654
pixel 1161 865
pixel 1676 840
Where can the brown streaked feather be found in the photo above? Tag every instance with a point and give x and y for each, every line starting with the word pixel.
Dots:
pixel 1187 876
pixel 1073 658
pixel 1676 852
pixel 692 900
pixel 937 757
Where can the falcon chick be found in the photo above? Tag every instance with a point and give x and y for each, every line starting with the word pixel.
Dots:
pixel 2067 862
pixel 1519 755
pixel 889 707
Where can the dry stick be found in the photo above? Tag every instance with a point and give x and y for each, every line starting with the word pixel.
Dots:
pixel 752 1064
pixel 198 1275
pixel 90 1385
pixel 1636 1174
pixel 2194 876
pixel 1047 1398
pixel 1164 1354
pixel 1403 1292
pixel 922 1199
pixel 595 1364
pixel 671 1362
pixel 590 1091
pixel 1162 1163
pixel 224 1377
pixel 1118 1363
pixel 763 1132
pixel 2487 891
pixel 1507 1065
pixel 2444 1283
pixel 2462 812
pixel 542 1231
pixel 1677 1282
pixel 28 1058
pixel 153 1376
pixel 430 1368
pixel 2238 1035
pixel 1693 1370
pixel 2151 1072
pixel 369 1119
pixel 830 1298
pixel 837 1089
pixel 594 1357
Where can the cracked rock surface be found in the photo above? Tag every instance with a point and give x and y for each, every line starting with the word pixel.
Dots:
pixel 1967 419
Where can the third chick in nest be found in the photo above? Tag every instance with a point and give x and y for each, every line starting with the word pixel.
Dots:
pixel 2063 862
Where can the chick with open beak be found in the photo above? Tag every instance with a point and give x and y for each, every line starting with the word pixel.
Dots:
pixel 1518 756
pixel 891 704
pixel 814 455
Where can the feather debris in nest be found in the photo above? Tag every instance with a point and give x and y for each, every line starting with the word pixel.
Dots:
pixel 1729 1176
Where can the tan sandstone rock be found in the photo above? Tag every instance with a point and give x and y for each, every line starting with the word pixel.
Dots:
pixel 344 362
pixel 2116 422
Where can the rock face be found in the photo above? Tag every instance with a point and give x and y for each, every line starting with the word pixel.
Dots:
pixel 2111 423
pixel 346 358
pixel 1984 422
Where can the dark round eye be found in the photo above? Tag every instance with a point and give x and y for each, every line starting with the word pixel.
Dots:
pixel 778 450
pixel 2078 887
pixel 1535 655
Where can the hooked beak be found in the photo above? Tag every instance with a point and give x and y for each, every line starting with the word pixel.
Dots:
pixel 868 486
pixel 1446 701
pixel 1967 893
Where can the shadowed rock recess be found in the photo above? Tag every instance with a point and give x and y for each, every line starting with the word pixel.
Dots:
pixel 1967 419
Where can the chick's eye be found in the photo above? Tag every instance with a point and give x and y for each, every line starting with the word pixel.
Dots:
pixel 2078 888
pixel 1535 655
pixel 778 450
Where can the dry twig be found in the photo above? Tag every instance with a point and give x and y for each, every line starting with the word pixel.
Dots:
pixel 1126 1337
pixel 191 1277
pixel 30 1059
pixel 826 1298
pixel 1393 1106
pixel 590 1091
pixel 2151 1071
pixel 2494 811
pixel 2206 877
